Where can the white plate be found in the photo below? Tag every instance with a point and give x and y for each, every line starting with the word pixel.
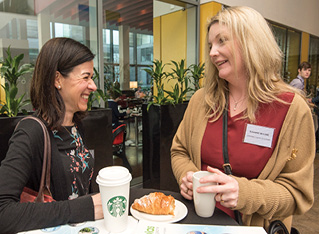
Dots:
pixel 180 213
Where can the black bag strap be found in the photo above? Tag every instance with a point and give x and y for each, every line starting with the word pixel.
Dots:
pixel 226 165
pixel 46 165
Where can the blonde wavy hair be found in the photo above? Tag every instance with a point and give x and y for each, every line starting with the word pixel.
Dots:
pixel 262 59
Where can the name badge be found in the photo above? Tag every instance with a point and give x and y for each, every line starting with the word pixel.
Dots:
pixel 259 135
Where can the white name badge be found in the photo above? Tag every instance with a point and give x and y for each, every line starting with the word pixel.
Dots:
pixel 259 135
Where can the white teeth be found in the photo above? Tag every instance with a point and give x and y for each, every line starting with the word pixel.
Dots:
pixel 85 96
pixel 221 63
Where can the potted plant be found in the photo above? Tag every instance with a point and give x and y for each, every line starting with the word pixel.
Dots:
pixel 11 71
pixel 11 109
pixel 158 76
pixel 161 118
pixel 180 76
pixel 197 73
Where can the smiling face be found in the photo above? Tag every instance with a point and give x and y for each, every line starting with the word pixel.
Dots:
pixel 76 87
pixel 225 53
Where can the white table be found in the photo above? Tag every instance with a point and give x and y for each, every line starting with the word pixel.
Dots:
pixel 98 226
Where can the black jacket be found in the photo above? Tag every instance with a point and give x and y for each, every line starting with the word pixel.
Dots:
pixel 22 167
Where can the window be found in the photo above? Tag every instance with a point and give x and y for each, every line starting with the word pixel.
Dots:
pixel 314 61
pixel 289 43
pixel 128 27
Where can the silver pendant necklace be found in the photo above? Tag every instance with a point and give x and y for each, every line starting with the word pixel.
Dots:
pixel 236 102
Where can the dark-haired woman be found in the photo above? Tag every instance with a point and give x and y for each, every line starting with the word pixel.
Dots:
pixel 60 87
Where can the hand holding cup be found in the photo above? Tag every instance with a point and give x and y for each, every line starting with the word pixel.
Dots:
pixel 204 202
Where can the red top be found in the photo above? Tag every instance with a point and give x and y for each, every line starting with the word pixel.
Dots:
pixel 247 160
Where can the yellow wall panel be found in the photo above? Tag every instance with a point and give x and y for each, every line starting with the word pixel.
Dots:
pixel 157 38
pixel 170 40
pixel 305 39
pixel 174 36
pixel 207 10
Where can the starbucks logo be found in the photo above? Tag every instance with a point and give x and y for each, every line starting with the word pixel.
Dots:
pixel 117 206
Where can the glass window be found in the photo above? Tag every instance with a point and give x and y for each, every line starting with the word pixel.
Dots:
pixel 314 61
pixel 139 23
pixel 107 46
pixel 76 32
pixel 144 78
pixel 289 42
pixel 20 22
pixel 116 52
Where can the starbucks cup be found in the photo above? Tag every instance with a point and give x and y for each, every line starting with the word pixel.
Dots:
pixel 114 184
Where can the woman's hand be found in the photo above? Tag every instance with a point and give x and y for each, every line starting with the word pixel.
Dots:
pixel 98 210
pixel 226 189
pixel 187 185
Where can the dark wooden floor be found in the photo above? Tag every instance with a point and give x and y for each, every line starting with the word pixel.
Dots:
pixel 306 224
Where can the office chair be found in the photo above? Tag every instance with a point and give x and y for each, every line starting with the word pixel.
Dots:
pixel 119 135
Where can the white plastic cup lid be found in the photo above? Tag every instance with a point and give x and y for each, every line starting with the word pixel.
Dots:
pixel 113 176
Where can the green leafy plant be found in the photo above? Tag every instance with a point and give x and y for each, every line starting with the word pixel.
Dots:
pixel 11 71
pixel 157 77
pixel 113 88
pixel 181 88
pixel 98 95
pixel 197 73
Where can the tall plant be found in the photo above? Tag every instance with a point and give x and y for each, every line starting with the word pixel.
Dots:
pixel 197 73
pixel 157 77
pixel 181 88
pixel 11 70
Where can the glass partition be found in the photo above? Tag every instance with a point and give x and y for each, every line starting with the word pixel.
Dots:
pixel 289 43
pixel 26 25
pixel 314 61
pixel 129 40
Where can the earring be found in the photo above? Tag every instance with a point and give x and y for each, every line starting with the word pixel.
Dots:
pixel 59 87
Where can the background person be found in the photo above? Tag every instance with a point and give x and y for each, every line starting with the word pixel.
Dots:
pixel 242 77
pixel 139 93
pixel 304 71
pixel 60 87
pixel 116 115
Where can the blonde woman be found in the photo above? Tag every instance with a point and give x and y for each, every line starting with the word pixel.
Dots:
pixel 271 141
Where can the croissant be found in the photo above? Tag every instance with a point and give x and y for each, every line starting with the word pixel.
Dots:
pixel 156 203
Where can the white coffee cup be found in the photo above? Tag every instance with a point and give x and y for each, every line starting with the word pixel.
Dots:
pixel 204 202
pixel 114 184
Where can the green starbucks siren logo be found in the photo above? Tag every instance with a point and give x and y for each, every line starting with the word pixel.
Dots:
pixel 117 206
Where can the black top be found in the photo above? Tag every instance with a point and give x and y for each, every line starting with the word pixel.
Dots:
pixel 22 167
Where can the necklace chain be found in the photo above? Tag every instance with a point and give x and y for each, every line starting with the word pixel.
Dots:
pixel 69 132
pixel 236 102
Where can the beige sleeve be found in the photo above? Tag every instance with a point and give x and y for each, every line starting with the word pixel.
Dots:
pixel 185 150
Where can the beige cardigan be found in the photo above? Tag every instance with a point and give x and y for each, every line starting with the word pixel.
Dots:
pixel 284 187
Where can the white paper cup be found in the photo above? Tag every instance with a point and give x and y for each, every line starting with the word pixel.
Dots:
pixel 114 184
pixel 204 202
